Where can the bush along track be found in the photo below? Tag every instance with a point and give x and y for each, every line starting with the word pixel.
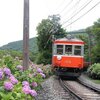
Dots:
pixel 94 71
pixel 18 84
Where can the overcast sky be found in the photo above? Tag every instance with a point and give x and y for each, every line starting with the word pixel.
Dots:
pixel 11 16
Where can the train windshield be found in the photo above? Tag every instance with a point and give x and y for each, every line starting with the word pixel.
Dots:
pixel 68 49
pixel 60 49
pixel 77 50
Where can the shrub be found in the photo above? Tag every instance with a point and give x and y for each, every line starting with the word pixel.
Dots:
pixel 94 71
pixel 18 84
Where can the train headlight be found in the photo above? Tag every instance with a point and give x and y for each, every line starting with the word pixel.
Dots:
pixel 59 57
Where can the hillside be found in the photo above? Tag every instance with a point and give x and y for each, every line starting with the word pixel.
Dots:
pixel 18 45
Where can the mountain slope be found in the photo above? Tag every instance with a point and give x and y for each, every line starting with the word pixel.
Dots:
pixel 18 45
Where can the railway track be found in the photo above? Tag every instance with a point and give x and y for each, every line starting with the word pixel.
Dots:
pixel 79 91
pixel 87 84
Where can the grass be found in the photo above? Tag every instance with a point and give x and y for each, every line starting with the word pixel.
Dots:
pixel 94 80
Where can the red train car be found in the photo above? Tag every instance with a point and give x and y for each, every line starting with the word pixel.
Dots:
pixel 68 56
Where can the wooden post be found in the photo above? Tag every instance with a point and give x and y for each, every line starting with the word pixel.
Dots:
pixel 26 35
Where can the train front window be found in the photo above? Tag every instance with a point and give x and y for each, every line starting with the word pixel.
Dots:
pixel 77 50
pixel 68 49
pixel 60 49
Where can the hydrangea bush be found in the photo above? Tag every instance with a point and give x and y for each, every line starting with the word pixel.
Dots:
pixel 18 84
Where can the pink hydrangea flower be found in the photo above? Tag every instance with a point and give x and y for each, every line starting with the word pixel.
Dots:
pixel 39 70
pixel 33 93
pixel 13 79
pixel 7 71
pixel 19 67
pixel 8 86
pixel 25 83
pixel 43 75
pixel 34 84
pixel 1 70
pixel 33 66
pixel 1 75
pixel 26 89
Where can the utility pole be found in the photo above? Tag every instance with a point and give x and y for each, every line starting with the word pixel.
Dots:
pixel 26 35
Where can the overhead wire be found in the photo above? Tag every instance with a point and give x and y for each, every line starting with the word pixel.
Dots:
pixel 77 12
pixel 66 6
pixel 72 17
pixel 52 26
pixel 60 4
pixel 70 9
pixel 83 14
pixel 62 10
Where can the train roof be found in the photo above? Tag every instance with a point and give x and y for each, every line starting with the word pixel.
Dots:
pixel 67 40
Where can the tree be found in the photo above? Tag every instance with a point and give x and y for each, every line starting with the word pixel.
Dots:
pixel 45 30
pixel 95 32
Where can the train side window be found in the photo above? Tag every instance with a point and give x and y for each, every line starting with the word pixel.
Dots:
pixel 60 49
pixel 77 50
pixel 68 49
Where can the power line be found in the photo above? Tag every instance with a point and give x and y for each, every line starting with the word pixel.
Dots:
pixel 77 12
pixel 83 14
pixel 66 6
pixel 60 4
pixel 72 7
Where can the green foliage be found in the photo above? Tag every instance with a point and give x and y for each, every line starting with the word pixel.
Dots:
pixel 95 32
pixel 33 56
pixel 47 69
pixel 18 45
pixel 94 71
pixel 96 54
pixel 30 75
pixel 13 53
pixel 10 62
pixel 45 30
pixel 44 57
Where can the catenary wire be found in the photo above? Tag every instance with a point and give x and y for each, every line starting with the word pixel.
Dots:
pixel 83 14
pixel 77 12
pixel 66 6
pixel 70 9
pixel 60 4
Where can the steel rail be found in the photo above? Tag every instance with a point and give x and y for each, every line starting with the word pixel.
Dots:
pixel 88 85
pixel 67 88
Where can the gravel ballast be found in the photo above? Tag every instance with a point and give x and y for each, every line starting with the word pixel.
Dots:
pixel 51 90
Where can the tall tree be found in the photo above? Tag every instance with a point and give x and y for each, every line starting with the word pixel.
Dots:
pixel 95 32
pixel 45 30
